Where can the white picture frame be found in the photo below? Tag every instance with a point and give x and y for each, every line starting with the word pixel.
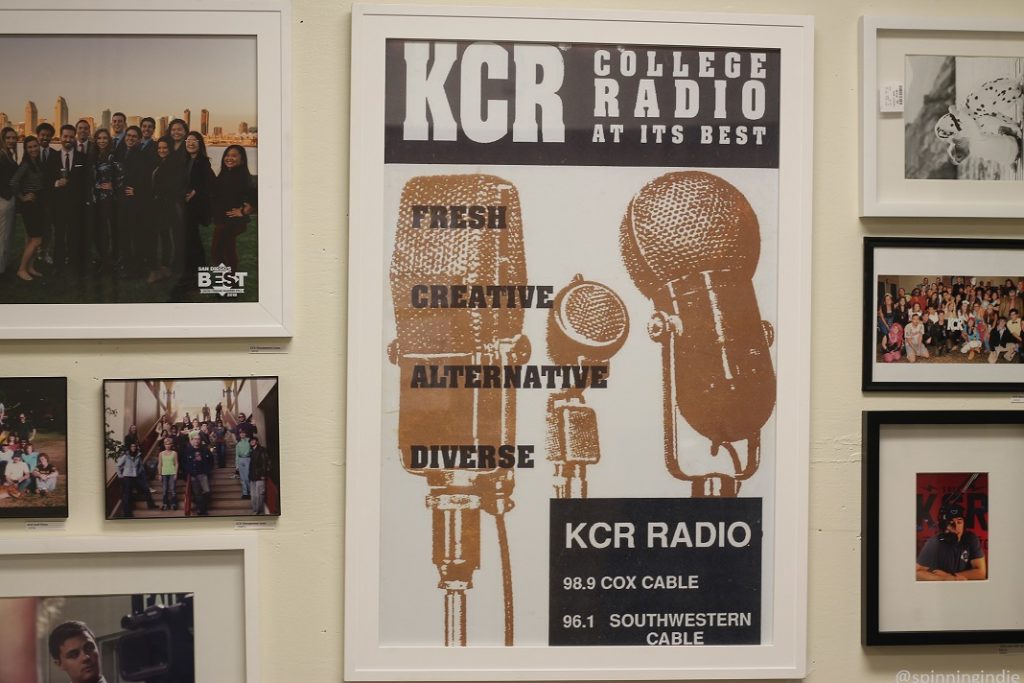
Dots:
pixel 270 313
pixel 890 185
pixel 370 498
pixel 220 569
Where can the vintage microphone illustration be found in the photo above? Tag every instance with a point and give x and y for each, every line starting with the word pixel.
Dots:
pixel 459 336
pixel 587 325
pixel 691 242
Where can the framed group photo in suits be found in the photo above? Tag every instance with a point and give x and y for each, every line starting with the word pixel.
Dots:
pixel 144 171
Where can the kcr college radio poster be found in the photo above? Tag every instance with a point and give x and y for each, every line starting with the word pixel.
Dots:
pixel 580 267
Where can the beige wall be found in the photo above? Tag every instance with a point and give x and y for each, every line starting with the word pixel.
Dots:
pixel 301 559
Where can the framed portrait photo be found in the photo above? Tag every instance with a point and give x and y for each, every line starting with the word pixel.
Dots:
pixel 941 539
pixel 145 171
pixel 579 235
pixel 34 454
pixel 173 608
pixel 191 447
pixel 943 315
pixel 941 116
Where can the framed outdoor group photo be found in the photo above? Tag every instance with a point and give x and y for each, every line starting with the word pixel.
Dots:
pixel 34 457
pixel 941 508
pixel 575 229
pixel 147 155
pixel 942 111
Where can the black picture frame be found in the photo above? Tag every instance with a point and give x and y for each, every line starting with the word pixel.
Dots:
pixel 872 424
pixel 47 408
pixel 869 381
pixel 269 436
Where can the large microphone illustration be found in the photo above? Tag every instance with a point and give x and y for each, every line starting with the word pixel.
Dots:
pixel 691 243
pixel 455 233
pixel 587 324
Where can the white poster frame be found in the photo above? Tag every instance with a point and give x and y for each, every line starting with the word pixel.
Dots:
pixel 365 657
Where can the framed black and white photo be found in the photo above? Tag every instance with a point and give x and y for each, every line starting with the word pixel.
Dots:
pixel 34 456
pixel 191 447
pixel 943 315
pixel 146 155
pixel 584 242
pixel 168 608
pixel 941 537
pixel 942 111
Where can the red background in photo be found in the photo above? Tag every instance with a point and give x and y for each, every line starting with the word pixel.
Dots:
pixel 933 488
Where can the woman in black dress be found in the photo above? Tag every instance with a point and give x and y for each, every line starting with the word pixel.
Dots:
pixel 108 179
pixel 169 213
pixel 28 183
pixel 198 183
pixel 234 200
pixel 177 129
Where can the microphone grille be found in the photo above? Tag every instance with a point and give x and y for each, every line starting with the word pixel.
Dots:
pixel 587 319
pixel 686 223
pixel 456 256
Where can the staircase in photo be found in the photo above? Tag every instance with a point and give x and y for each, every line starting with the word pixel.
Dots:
pixel 225 491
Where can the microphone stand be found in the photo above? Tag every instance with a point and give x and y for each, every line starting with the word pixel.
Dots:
pixel 572 441
pixel 456 553
pixel 456 498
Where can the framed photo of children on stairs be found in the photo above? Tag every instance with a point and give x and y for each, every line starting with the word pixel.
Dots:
pixel 197 447
pixel 943 315
pixel 144 171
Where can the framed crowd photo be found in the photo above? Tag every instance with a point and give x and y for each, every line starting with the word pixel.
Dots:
pixel 33 447
pixel 943 315
pixel 173 608
pixel 575 229
pixel 153 203
pixel 942 110
pixel 942 542
pixel 193 447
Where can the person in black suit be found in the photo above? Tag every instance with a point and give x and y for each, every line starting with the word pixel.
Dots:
pixel 135 243
pixel 49 159
pixel 71 191
pixel 147 143
pixel 8 165
pixel 83 137
pixel 118 123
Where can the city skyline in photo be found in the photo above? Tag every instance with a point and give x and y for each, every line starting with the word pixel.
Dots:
pixel 157 76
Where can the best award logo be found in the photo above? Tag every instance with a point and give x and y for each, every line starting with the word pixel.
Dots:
pixel 220 280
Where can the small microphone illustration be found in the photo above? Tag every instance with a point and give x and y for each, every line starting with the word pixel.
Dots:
pixel 587 324
pixel 691 242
